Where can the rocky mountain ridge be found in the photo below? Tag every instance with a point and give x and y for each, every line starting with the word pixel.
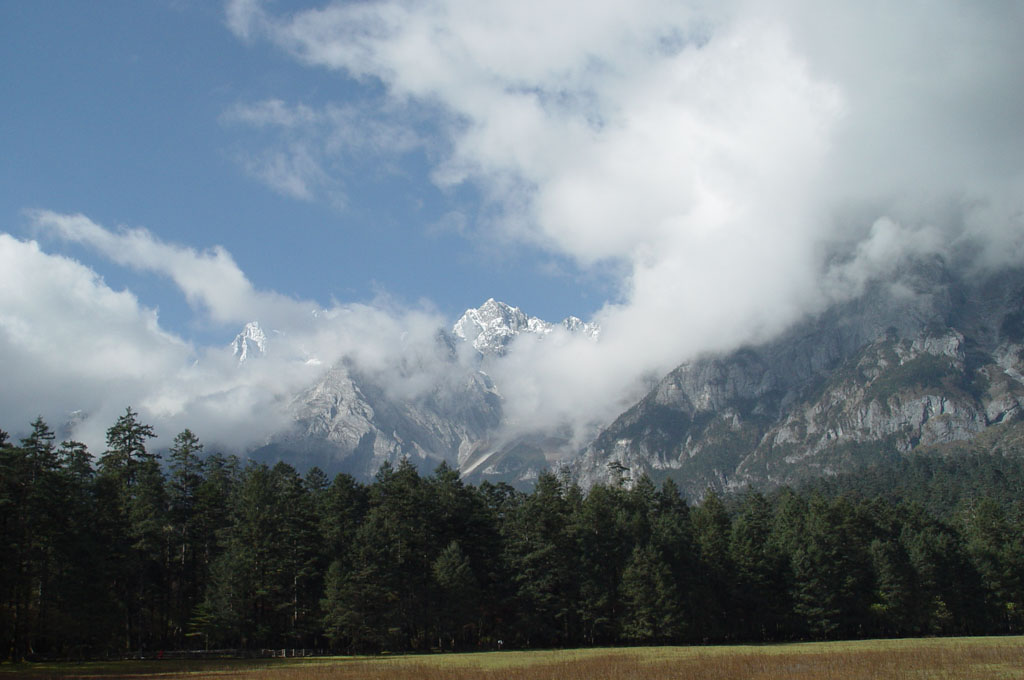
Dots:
pixel 353 420
pixel 925 358
pixel 348 421
pixel 491 327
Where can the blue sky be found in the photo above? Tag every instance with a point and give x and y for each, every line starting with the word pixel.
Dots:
pixel 691 175
pixel 122 111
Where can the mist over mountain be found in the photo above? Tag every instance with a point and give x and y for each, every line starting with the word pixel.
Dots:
pixel 735 193
pixel 433 403
pixel 494 325
pixel 251 342
pixel 926 356
pixel 350 420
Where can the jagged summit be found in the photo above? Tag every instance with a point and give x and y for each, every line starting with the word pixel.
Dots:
pixel 924 357
pixel 493 325
pixel 251 342
pixel 574 324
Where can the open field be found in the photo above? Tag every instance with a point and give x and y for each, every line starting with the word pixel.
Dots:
pixel 917 659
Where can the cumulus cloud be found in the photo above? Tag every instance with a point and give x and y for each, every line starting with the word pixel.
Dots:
pixel 711 145
pixel 740 158
pixel 67 339
pixel 210 280
pixel 742 163
pixel 69 343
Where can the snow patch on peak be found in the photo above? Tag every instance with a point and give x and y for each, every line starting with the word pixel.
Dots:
pixel 574 324
pixel 492 326
pixel 251 342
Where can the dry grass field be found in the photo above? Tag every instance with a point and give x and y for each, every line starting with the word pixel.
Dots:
pixel 955 658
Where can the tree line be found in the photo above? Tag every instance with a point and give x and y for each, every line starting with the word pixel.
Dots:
pixel 209 551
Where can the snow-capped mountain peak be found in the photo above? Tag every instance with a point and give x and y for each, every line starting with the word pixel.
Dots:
pixel 251 342
pixel 574 324
pixel 493 325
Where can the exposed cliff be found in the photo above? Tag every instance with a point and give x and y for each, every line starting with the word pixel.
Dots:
pixel 926 358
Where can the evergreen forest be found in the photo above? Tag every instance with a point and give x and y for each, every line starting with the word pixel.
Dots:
pixel 131 551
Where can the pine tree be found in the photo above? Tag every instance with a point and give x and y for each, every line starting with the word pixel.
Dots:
pixel 39 518
pixel 672 534
pixel 897 597
pixel 951 594
pixel 131 494
pixel 650 595
pixel 543 560
pixel 14 486
pixel 81 594
pixel 460 514
pixel 759 585
pixel 186 575
pixel 300 544
pixel 381 600
pixel 832 570
pixel 711 529
pixel 993 546
pixel 126 450
pixel 458 596
pixel 344 508
pixel 602 534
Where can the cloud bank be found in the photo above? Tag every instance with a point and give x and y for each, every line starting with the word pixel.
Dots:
pixel 748 162
pixel 744 164
pixel 75 350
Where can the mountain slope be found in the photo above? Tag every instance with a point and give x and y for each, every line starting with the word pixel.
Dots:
pixel 353 420
pixel 925 358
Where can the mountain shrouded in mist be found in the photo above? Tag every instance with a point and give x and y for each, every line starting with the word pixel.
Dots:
pixel 702 181
pixel 925 357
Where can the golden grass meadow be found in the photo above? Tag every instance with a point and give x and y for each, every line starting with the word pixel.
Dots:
pixel 917 659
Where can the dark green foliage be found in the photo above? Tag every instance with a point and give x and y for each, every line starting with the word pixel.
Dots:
pixel 542 558
pixel 715 572
pixel 210 553
pixel 938 483
pixel 994 545
pixel 458 597
pixel 1012 327
pixel 185 550
pixel 650 597
pixel 832 570
pixel 760 593
pixel 927 371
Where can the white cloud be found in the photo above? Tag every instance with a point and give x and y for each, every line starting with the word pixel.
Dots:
pixel 726 152
pixel 210 280
pixel 272 113
pixel 743 162
pixel 879 254
pixel 68 342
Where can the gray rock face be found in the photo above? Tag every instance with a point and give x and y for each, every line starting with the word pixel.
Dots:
pixel 353 422
pixel 923 359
